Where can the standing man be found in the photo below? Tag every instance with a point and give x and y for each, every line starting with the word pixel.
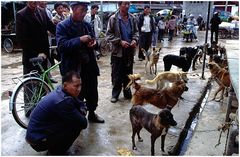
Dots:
pixel 161 26
pixel 215 22
pixel 58 7
pixel 171 27
pixel 122 32
pixel 95 22
pixel 58 118
pixel 32 24
pixel 146 28
pixel 76 43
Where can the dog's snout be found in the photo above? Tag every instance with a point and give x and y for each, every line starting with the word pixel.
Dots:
pixel 186 88
pixel 185 81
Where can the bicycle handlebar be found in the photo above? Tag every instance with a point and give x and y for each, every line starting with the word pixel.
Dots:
pixel 35 60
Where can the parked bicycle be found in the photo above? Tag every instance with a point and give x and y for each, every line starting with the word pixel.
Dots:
pixel 29 91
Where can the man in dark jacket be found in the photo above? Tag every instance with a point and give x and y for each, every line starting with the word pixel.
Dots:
pixel 146 27
pixel 58 118
pixel 76 43
pixel 215 22
pixel 32 24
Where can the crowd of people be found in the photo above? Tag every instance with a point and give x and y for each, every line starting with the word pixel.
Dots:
pixel 61 114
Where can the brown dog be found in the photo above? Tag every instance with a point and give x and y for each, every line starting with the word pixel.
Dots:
pixel 221 76
pixel 157 97
pixel 152 58
pixel 157 125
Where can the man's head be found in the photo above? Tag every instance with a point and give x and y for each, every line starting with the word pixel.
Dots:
pixel 79 9
pixel 147 10
pixel 66 7
pixel 42 4
pixel 71 82
pixel 124 7
pixel 33 5
pixel 58 7
pixel 94 9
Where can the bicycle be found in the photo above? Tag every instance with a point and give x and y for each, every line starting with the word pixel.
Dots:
pixel 29 91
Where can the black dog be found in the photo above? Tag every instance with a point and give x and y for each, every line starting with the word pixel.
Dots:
pixel 194 53
pixel 157 125
pixel 183 62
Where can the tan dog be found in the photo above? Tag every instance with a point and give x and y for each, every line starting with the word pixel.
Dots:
pixel 162 78
pixel 221 76
pixel 151 58
pixel 159 98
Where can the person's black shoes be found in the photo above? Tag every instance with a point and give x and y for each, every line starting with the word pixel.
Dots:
pixel 93 117
pixel 114 100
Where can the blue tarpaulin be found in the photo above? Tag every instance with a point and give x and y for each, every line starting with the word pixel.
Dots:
pixel 133 9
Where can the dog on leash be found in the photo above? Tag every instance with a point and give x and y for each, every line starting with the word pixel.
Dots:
pixel 157 97
pixel 221 76
pixel 168 76
pixel 221 62
pixel 151 58
pixel 156 124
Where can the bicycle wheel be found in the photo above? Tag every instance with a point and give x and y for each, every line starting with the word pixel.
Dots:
pixel 8 45
pixel 25 97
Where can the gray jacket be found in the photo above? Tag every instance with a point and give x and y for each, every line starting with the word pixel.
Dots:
pixel 114 34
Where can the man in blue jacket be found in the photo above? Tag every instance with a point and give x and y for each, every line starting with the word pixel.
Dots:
pixel 76 44
pixel 58 118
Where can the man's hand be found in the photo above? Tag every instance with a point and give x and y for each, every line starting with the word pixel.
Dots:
pixel 124 44
pixel 91 43
pixel 85 38
pixel 42 55
pixel 133 44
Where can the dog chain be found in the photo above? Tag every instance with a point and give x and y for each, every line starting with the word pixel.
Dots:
pixel 223 128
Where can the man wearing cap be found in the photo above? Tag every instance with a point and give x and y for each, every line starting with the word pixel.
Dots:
pixel 76 43
pixel 122 32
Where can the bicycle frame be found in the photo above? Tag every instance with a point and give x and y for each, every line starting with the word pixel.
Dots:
pixel 45 76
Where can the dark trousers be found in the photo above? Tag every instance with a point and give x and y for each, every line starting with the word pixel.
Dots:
pixel 89 90
pixel 216 35
pixel 170 34
pixel 58 143
pixel 145 43
pixel 121 68
pixel 161 34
